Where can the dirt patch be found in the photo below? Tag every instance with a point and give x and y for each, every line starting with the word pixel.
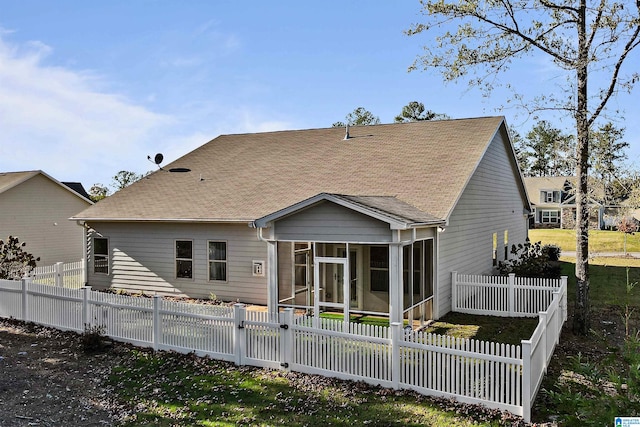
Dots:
pixel 46 379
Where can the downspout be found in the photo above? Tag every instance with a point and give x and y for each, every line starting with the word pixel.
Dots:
pixel 272 276
pixel 85 252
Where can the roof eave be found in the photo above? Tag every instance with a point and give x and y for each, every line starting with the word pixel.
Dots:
pixel 165 220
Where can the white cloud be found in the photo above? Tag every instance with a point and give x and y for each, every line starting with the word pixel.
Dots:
pixel 67 123
pixel 58 120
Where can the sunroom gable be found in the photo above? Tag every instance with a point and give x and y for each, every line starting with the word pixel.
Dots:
pixel 335 217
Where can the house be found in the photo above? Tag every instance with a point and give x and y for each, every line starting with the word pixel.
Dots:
pixel 554 203
pixel 371 222
pixel 36 208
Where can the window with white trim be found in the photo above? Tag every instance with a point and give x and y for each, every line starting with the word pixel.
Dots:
pixel 218 261
pixel 184 259
pixel 550 217
pixel 100 255
pixel 551 196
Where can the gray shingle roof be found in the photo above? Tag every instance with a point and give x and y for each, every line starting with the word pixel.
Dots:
pixel 247 176
pixel 394 208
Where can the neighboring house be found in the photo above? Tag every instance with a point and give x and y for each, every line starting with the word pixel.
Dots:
pixel 372 223
pixel 36 208
pixel 554 203
pixel 614 214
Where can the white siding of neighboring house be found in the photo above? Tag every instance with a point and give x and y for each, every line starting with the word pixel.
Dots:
pixel 37 211
pixel 142 259
pixel 491 203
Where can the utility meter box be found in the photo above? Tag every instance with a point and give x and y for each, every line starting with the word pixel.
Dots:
pixel 258 268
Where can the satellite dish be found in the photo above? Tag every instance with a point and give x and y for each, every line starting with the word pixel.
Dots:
pixel 157 160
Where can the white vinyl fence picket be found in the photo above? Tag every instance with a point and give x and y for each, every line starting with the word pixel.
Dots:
pixel 508 296
pixel 501 376
pixel 69 275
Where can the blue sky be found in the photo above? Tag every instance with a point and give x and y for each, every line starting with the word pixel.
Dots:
pixel 91 88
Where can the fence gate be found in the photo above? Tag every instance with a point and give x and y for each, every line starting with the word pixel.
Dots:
pixel 258 339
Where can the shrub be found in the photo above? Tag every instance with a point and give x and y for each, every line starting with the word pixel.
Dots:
pixel 532 260
pixel 93 339
pixel 552 252
pixel 15 262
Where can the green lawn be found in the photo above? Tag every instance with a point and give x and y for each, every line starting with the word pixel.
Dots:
pixel 607 281
pixel 599 240
pixel 485 328
pixel 168 389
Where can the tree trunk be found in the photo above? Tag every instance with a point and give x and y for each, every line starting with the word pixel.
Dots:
pixel 581 320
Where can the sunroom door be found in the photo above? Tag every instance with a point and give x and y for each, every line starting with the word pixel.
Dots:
pixel 355 281
pixel 331 285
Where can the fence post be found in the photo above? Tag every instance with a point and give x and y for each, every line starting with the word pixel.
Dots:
pixel 558 319
pixel 396 334
pixel 239 337
pixel 286 343
pixel 26 282
pixel 454 291
pixel 83 263
pixel 563 302
pixel 156 336
pixel 543 340
pixel 58 269
pixel 86 291
pixel 511 294
pixel 526 380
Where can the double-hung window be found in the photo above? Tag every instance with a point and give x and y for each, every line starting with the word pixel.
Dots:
pixel 100 255
pixel 218 261
pixel 184 259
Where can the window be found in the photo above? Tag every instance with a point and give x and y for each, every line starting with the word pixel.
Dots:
pixel 184 259
pixel 550 196
pixel 379 268
pixel 552 217
pixel 302 256
pixel 506 244
pixel 100 255
pixel 218 261
pixel 417 260
pixel 495 249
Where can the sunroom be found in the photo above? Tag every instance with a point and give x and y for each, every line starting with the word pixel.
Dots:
pixel 352 255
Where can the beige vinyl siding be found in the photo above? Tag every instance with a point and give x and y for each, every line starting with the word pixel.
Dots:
pixel 491 203
pixel 329 222
pixel 37 211
pixel 142 258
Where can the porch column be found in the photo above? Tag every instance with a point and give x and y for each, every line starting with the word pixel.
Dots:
pixel 395 282
pixel 272 277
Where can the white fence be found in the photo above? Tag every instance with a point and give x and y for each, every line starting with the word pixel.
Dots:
pixel 496 375
pixel 69 275
pixel 508 296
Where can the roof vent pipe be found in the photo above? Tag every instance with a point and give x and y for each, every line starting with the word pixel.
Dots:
pixel 346 135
